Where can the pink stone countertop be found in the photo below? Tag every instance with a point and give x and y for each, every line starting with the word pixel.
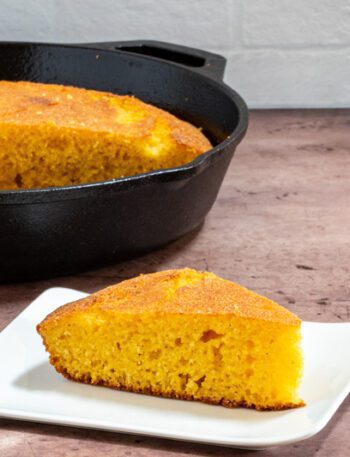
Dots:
pixel 280 226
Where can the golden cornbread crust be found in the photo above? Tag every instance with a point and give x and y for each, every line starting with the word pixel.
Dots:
pixel 210 339
pixel 54 135
pixel 197 292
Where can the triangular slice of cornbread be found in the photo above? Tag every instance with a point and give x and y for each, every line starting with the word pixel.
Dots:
pixel 182 334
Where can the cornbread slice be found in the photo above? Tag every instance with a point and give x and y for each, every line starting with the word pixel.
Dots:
pixel 52 135
pixel 182 334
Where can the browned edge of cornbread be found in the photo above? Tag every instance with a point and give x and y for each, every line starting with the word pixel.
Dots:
pixel 173 395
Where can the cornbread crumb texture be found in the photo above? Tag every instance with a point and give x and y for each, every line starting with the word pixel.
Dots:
pixel 52 135
pixel 182 334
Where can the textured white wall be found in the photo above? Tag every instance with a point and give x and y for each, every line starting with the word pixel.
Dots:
pixel 281 53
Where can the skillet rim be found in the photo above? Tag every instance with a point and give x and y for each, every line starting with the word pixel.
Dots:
pixel 200 163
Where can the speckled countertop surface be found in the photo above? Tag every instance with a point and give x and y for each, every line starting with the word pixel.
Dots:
pixel 280 226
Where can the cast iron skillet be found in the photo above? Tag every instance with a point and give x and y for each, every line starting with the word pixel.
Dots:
pixel 54 231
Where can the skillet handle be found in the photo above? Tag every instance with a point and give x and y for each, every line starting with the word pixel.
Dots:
pixel 203 62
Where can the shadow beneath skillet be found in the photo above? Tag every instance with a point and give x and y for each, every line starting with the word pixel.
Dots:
pixel 177 254
pixel 117 269
pixel 147 261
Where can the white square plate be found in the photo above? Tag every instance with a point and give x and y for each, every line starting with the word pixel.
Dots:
pixel 30 389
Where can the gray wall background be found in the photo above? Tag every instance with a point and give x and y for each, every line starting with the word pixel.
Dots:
pixel 280 53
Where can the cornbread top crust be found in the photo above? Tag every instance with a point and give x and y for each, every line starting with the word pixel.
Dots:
pixel 27 103
pixel 183 291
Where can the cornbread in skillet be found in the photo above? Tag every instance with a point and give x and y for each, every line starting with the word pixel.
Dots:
pixel 182 334
pixel 52 135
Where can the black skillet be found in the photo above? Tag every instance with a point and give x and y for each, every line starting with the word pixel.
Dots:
pixel 54 231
